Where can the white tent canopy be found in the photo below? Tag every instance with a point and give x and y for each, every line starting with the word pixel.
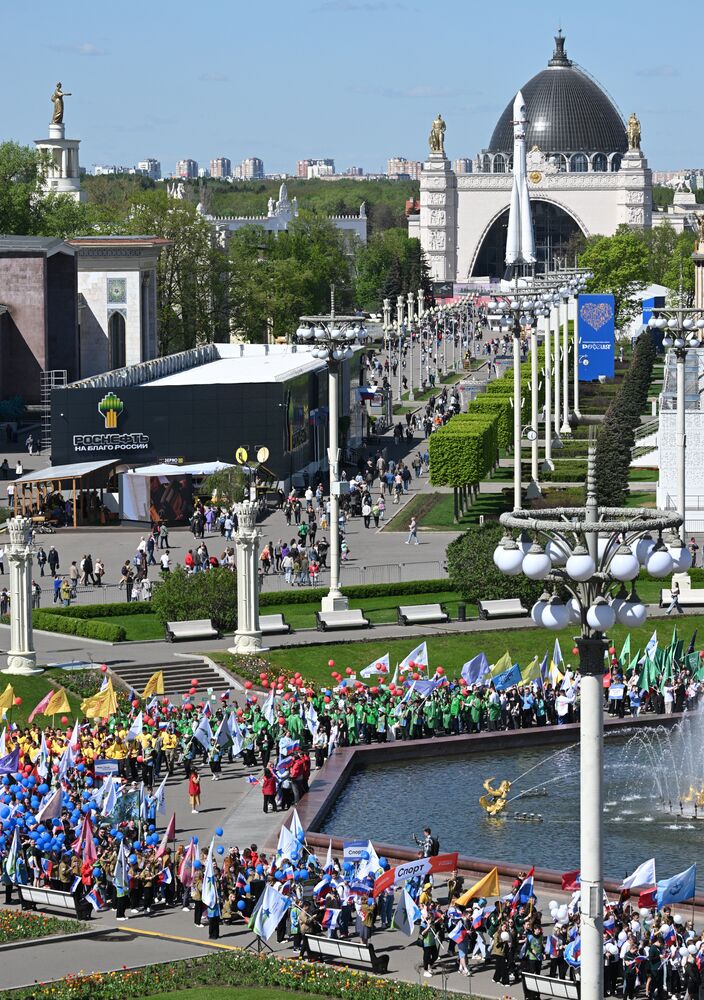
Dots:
pixel 136 488
pixel 166 469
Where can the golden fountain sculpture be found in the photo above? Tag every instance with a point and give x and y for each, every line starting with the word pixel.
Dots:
pixel 496 800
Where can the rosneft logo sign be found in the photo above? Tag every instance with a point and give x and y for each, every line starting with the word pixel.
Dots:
pixel 110 407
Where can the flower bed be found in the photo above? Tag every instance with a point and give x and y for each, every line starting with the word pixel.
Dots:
pixel 21 925
pixel 234 968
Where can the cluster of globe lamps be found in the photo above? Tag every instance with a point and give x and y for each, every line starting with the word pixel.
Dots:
pixel 690 327
pixel 333 343
pixel 617 562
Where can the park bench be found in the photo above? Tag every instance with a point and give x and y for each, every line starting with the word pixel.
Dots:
pixel 421 614
pixel 273 624
pixel 200 628
pixel 347 952
pixel 511 608
pixel 534 985
pixel 689 597
pixel 55 899
pixel 352 618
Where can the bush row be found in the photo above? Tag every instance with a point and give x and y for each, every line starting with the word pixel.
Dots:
pixel 65 625
pixel 101 610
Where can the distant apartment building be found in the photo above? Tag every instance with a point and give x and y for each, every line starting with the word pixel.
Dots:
pixel 315 168
pixel 221 167
pixel 203 172
pixel 187 169
pixel 99 169
pixel 250 169
pixel 150 167
pixel 354 172
pixel 399 168
pixel 463 165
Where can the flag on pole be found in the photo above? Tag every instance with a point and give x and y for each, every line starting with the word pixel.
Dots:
pixel 39 709
pixel 330 919
pixel 573 953
pixel 378 666
pixel 185 869
pixel 486 886
pixel 13 855
pixel 571 881
pixel 51 808
pixel 296 826
pixel 556 663
pixel 651 647
pixel 625 654
pixel 531 672
pixel 160 797
pixel 59 703
pixel 643 875
pixel 10 763
pixel 419 655
pixel 120 876
pixel 269 913
pixel 476 669
pixel 84 845
pixel 508 678
pixel 137 727
pixel 101 705
pixel 209 890
pixel 503 664
pixel 95 899
pixel 155 684
pixel 268 710
pixel 677 889
pixel 458 933
pixel 203 733
pixel 406 914
pixel 169 834
pixel 329 866
pixel 7 699
pixel 524 893
pixel 407 696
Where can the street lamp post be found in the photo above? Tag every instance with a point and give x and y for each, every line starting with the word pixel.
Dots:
pixel 684 333
pixel 548 463
pixel 565 293
pixel 411 300
pixel 334 339
pixel 590 551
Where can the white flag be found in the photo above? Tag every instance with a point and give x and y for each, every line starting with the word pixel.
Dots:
pixel 369 866
pixel 417 655
pixel 287 843
pixel 268 710
pixel 379 666
pixel 160 797
pixel 42 762
pixel 209 890
pixel 137 727
pixel 642 876
pixel 296 826
pixel 269 914
pixel 110 796
pixel 329 866
pixel 203 733
pixel 311 718
pixel 405 914
pixel 51 808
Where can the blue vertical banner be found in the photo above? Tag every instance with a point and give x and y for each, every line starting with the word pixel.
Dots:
pixel 596 336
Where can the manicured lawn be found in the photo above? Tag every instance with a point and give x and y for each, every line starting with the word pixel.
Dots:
pixel 644 475
pixel 378 609
pixel 224 993
pixel 452 651
pixel 31 690
pixel 640 500
pixel 435 511
pixel 139 627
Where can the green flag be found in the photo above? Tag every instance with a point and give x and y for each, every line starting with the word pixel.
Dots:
pixel 633 665
pixel 648 676
pixel 625 652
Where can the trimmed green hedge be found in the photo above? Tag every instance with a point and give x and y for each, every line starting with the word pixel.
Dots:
pixel 464 450
pixel 66 625
pixel 311 595
pixel 101 610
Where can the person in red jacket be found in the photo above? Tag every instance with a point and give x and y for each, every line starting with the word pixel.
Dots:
pixel 298 777
pixel 194 790
pixel 269 789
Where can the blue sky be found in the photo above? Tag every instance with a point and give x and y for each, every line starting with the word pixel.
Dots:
pixel 359 80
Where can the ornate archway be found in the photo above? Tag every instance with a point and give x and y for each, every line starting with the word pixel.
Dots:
pixel 554 226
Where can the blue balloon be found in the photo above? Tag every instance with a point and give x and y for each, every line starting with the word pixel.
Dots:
pixel 132 859
pixel 152 828
pixel 81 768
pixel 43 788
pixel 197 864
pixel 195 840
pixel 85 809
pixel 241 905
pixel 89 781
pixel 119 836
pixel 31 781
pixel 364 855
pixel 5 812
pixel 137 845
pixel 383 862
pixel 279 876
pixel 259 869
pixel 248 889
pixel 97 873
pixel 218 831
pixel 220 849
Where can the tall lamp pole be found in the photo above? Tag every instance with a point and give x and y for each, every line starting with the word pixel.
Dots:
pixel 334 339
pixel 565 293
pixel 547 304
pixel 590 551
pixel 684 331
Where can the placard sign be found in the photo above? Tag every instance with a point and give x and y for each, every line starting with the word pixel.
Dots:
pixel 596 332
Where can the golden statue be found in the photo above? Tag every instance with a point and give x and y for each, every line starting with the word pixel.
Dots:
pixel 496 800
pixel 436 139
pixel 695 795
pixel 633 130
pixel 58 100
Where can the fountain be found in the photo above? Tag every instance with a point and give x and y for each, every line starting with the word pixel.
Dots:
pixel 671 764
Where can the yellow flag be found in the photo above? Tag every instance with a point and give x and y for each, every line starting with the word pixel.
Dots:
pixel 102 704
pixel 59 703
pixel 531 672
pixel 487 886
pixel 155 684
pixel 7 698
pixel 504 663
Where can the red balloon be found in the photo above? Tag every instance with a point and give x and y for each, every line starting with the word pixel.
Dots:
pixel 374 690
pixel 326 699
pixel 331 663
pixel 262 676
pixel 415 677
pixel 280 679
pixel 192 692
pixel 240 711
pixel 254 697
pixel 18 700
pixel 188 706
pixel 575 651
pixel 248 685
pixel 612 650
pixel 164 701
pixel 194 682
pixel 265 683
pixel 420 666
pixel 297 675
pixel 148 721
pixel 281 720
pixel 348 671
pixel 64 720
pixel 440 671
pixel 104 668
pixel 287 696
pixel 140 759
pixel 135 703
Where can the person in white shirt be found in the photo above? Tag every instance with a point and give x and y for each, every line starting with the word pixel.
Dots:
pixel 165 560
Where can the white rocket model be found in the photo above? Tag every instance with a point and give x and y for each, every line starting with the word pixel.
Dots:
pixel 520 241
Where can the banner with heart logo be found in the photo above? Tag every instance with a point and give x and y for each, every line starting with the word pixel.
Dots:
pixel 596 336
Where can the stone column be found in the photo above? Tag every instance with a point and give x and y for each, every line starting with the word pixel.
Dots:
pixel 438 217
pixel 248 637
pixel 21 657
pixel 698 258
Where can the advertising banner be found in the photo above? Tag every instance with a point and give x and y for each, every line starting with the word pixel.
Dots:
pixel 410 869
pixel 596 334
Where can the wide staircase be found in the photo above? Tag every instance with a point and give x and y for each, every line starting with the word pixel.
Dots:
pixel 178 677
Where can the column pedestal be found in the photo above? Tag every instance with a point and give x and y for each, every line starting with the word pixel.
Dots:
pixel 21 657
pixel 248 637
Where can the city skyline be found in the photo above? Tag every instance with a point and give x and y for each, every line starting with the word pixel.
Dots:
pixel 362 102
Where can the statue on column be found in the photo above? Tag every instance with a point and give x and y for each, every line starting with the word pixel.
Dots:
pixel 436 139
pixel 633 130
pixel 58 101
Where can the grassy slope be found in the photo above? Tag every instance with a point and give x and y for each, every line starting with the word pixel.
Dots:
pixel 31 690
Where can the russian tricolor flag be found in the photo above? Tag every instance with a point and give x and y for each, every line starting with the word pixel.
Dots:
pixel 458 932
pixel 330 918
pixel 551 947
pixel 95 899
pixel 524 893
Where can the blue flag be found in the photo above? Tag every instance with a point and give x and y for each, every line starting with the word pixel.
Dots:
pixel 509 678
pixel 677 889
pixel 475 669
pixel 10 764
